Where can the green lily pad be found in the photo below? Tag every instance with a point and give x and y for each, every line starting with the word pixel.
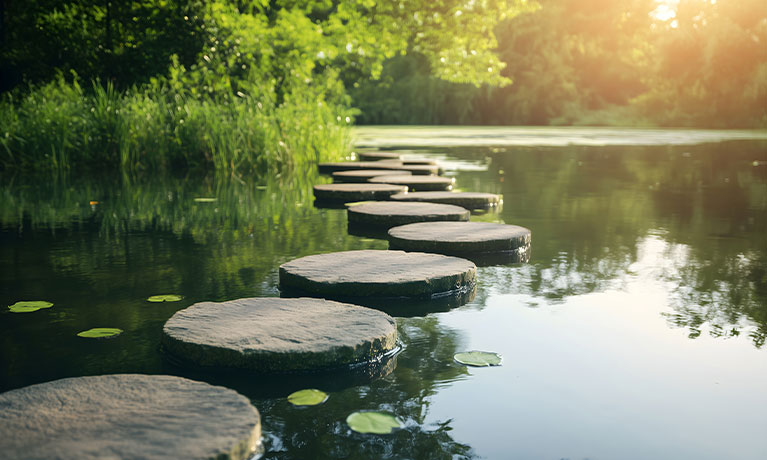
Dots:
pixel 205 200
pixel 373 422
pixel 165 298
pixel 100 332
pixel 28 306
pixel 310 397
pixel 478 358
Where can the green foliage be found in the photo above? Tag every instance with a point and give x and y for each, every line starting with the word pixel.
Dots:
pixel 372 422
pixel 28 306
pixel 100 332
pixel 309 397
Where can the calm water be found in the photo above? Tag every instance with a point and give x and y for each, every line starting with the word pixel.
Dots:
pixel 636 331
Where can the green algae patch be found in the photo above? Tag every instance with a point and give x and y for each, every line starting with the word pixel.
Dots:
pixel 478 358
pixel 165 298
pixel 308 397
pixel 373 422
pixel 28 306
pixel 100 332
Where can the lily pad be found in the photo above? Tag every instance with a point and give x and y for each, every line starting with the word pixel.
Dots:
pixel 478 358
pixel 165 298
pixel 100 332
pixel 205 200
pixel 310 397
pixel 373 422
pixel 28 306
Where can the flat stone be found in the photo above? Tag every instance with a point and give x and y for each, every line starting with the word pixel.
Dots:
pixel 375 156
pixel 127 416
pixel 385 214
pixel 416 183
pixel 468 200
pixel 329 168
pixel 362 175
pixel 278 335
pixel 371 273
pixel 422 161
pixel 420 170
pixel 460 237
pixel 356 192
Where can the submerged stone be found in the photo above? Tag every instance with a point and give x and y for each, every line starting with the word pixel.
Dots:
pixel 375 156
pixel 385 214
pixel 468 200
pixel 377 274
pixel 361 176
pixel 356 192
pixel 127 416
pixel 416 183
pixel 460 238
pixel 278 335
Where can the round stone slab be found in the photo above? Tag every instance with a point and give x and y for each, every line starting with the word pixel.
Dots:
pixel 362 175
pixel 278 335
pixel 356 192
pixel 390 213
pixel 416 183
pixel 375 156
pixel 459 237
pixel 329 168
pixel 376 274
pixel 468 200
pixel 127 416
pixel 415 162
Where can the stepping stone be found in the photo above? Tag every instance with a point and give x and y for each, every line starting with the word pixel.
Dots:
pixel 361 176
pixel 468 200
pixel 422 161
pixel 377 274
pixel 278 335
pixel 385 214
pixel 329 168
pixel 375 156
pixel 356 192
pixel 127 416
pixel 460 238
pixel 417 183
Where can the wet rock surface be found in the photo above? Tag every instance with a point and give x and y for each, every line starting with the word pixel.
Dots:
pixel 416 183
pixel 362 175
pixel 356 192
pixel 468 200
pixel 385 214
pixel 459 237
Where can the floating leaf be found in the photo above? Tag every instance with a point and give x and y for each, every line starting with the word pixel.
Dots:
pixel 100 332
pixel 373 422
pixel 310 397
pixel 479 358
pixel 28 306
pixel 165 298
pixel 205 200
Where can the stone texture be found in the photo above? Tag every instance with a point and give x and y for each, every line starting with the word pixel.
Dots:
pixel 356 192
pixel 127 416
pixel 416 183
pixel 361 176
pixel 459 237
pixel 278 335
pixel 329 168
pixel 468 200
pixel 415 162
pixel 375 156
pixel 385 214
pixel 371 273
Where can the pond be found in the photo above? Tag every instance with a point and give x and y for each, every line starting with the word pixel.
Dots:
pixel 637 329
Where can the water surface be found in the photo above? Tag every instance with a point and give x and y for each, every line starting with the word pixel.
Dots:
pixel 637 330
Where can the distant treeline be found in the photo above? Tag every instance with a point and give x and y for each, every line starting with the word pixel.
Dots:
pixel 598 62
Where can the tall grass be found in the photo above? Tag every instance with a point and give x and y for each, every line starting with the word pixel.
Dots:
pixel 62 126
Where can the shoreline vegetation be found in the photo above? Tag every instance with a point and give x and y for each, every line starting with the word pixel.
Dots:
pixel 267 86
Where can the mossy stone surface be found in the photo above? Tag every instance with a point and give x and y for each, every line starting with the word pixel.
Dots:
pixel 459 237
pixel 361 176
pixel 385 214
pixel 356 192
pixel 378 274
pixel 468 200
pixel 278 335
pixel 416 183
pixel 127 416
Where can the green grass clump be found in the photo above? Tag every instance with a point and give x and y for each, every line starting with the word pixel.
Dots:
pixel 60 126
